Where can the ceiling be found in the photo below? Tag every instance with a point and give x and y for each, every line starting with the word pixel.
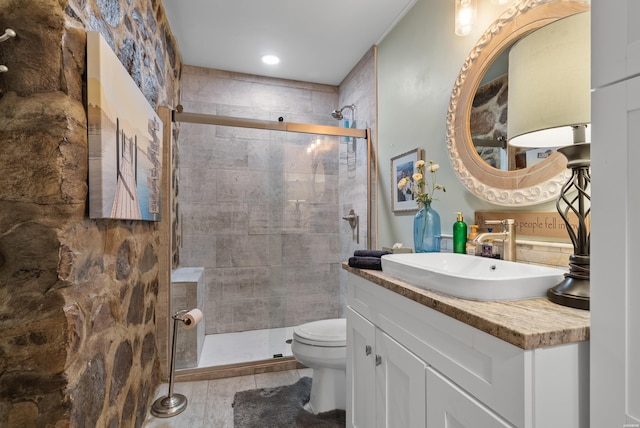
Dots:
pixel 317 41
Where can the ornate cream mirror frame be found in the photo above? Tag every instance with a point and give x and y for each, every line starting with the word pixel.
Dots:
pixel 534 185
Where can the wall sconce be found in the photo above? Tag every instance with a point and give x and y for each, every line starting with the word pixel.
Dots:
pixel 466 11
pixel 550 106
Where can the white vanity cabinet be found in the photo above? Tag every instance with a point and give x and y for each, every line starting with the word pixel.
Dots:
pixel 409 365
pixel 615 153
pixel 450 406
pixel 387 387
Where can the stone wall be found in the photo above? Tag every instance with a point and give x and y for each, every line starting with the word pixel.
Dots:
pixel 77 296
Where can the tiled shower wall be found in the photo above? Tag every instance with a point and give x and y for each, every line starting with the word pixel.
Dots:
pixel 357 88
pixel 269 261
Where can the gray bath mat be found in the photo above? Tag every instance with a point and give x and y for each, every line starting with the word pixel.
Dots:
pixel 281 407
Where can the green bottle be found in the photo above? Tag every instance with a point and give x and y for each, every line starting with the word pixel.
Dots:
pixel 459 235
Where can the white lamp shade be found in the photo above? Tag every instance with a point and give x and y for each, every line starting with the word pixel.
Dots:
pixel 549 84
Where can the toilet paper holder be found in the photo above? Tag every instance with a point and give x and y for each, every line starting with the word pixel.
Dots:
pixel 8 33
pixel 174 404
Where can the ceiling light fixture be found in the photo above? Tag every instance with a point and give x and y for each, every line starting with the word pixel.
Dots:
pixel 270 59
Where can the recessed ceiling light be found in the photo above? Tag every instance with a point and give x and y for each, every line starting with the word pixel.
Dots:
pixel 270 59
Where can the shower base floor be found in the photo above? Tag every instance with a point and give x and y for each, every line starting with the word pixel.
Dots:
pixel 255 345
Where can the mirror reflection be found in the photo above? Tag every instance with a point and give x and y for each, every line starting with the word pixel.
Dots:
pixel 489 117
pixel 489 112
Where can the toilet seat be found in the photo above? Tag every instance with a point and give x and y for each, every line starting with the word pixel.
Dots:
pixel 327 333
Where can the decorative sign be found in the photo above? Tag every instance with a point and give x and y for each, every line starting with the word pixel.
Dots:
pixel 537 224
pixel 125 140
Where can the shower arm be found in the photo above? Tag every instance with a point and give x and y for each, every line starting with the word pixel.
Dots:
pixel 351 107
pixel 337 114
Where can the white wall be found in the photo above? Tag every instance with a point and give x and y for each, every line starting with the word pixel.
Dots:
pixel 418 63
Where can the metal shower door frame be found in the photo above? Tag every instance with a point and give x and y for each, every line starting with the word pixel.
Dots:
pixel 170 116
pixel 178 115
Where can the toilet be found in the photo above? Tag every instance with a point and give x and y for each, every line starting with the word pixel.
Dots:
pixel 321 346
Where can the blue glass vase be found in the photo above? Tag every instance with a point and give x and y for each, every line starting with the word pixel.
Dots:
pixel 426 230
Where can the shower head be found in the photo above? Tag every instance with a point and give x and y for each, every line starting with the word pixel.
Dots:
pixel 337 114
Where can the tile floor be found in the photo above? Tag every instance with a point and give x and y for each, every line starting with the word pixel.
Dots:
pixel 209 401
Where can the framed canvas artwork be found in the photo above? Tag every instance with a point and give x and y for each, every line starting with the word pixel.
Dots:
pixel 125 140
pixel 403 166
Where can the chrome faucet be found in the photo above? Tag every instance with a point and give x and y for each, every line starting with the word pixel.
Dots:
pixel 508 237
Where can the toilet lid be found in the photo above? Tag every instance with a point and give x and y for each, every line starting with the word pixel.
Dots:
pixel 331 332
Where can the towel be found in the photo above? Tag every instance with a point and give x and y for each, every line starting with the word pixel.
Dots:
pixel 370 253
pixel 366 262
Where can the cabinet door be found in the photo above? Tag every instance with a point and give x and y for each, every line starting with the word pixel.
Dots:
pixel 450 406
pixel 615 41
pixel 360 371
pixel 400 385
pixel 615 295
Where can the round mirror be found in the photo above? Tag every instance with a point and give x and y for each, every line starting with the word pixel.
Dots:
pixel 527 186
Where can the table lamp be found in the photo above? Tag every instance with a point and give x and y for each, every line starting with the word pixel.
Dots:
pixel 550 106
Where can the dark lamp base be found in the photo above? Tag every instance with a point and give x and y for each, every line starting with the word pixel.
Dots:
pixel 571 292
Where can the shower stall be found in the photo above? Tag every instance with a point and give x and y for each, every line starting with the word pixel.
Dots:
pixel 261 211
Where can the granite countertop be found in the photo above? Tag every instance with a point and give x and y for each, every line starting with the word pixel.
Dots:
pixel 527 324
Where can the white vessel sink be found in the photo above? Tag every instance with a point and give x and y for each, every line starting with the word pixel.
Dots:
pixel 472 277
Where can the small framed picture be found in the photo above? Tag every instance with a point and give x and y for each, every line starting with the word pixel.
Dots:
pixel 403 166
